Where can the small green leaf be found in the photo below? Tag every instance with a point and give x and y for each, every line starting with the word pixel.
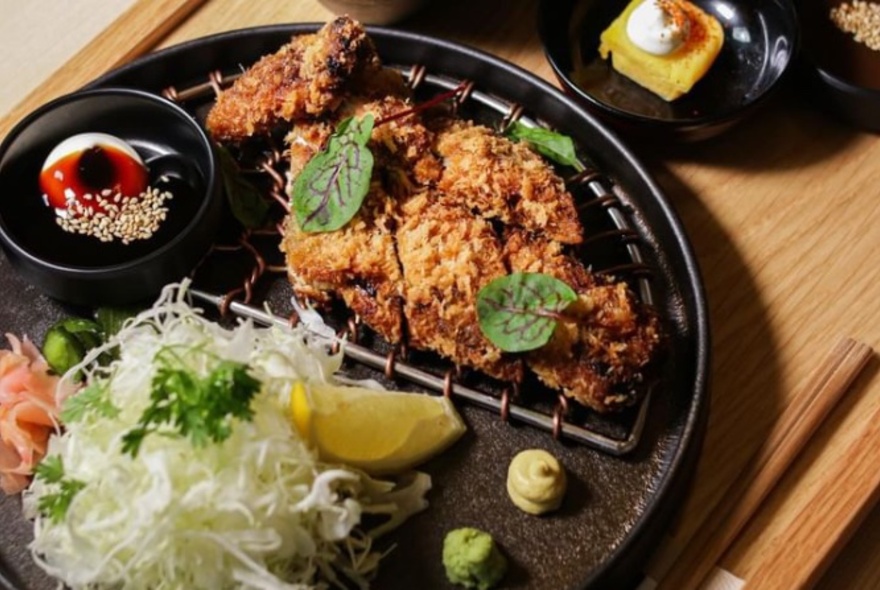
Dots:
pixel 50 469
pixel 331 188
pixel 54 505
pixel 247 204
pixel 91 400
pixel 550 144
pixel 519 312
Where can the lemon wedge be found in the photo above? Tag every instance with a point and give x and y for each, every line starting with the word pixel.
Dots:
pixel 380 432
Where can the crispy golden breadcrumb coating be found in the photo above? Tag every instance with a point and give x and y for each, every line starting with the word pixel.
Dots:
pixel 305 78
pixel 447 256
pixel 401 147
pixel 504 180
pixel 598 356
pixel 357 262
pixel 413 259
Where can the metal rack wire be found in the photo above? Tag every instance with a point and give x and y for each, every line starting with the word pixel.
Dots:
pixel 594 192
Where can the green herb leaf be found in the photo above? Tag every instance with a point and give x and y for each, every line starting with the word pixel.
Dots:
pixel 91 400
pixel 50 469
pixel 199 408
pixel 54 505
pixel 331 187
pixel 550 144
pixel 247 204
pixel 519 312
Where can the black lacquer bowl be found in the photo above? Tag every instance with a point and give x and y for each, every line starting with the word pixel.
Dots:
pixel 617 507
pixel 81 269
pixel 840 73
pixel 761 41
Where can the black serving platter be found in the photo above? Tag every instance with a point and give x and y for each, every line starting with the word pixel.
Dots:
pixel 617 509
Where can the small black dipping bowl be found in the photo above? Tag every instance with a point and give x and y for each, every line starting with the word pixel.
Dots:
pixel 761 39
pixel 81 269
pixel 842 74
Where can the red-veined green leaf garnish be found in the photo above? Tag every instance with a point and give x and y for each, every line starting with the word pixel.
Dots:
pixel 332 186
pixel 519 312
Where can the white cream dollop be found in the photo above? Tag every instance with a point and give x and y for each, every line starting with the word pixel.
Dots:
pixel 655 30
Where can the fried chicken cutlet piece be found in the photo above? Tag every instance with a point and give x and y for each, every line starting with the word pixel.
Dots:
pixel 305 78
pixel 504 180
pixel 357 262
pixel 447 256
pixel 599 358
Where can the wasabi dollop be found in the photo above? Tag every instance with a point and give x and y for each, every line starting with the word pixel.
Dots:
pixel 472 559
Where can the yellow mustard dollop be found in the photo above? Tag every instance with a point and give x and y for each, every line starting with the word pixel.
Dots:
pixel 536 481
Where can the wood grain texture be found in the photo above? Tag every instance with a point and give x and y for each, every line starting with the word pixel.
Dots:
pixel 134 33
pixel 792 434
pixel 783 214
pixel 28 68
pixel 800 554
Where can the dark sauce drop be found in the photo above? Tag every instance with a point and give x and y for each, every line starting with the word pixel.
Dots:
pixel 95 169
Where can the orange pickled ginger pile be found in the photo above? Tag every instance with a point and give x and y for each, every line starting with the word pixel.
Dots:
pixel 29 406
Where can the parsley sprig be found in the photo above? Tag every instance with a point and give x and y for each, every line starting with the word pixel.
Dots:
pixel 200 408
pixel 54 505
pixel 93 400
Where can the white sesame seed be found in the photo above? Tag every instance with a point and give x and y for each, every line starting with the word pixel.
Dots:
pixel 860 19
pixel 123 218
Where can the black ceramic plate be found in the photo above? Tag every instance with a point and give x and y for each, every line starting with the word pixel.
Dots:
pixel 617 508
pixel 761 39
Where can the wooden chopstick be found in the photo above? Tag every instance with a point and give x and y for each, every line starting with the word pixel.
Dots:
pixel 800 421
pixel 799 555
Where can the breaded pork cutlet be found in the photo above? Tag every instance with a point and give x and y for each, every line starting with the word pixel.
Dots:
pixel 401 147
pixel 305 78
pixel 599 355
pixel 504 180
pixel 358 263
pixel 447 256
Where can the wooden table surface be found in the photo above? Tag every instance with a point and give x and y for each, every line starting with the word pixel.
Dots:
pixel 783 213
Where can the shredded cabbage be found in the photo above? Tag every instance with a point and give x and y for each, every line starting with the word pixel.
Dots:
pixel 255 511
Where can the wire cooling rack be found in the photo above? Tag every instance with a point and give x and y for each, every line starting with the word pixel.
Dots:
pixel 611 246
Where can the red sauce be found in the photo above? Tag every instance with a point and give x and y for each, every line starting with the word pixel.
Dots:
pixel 91 172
